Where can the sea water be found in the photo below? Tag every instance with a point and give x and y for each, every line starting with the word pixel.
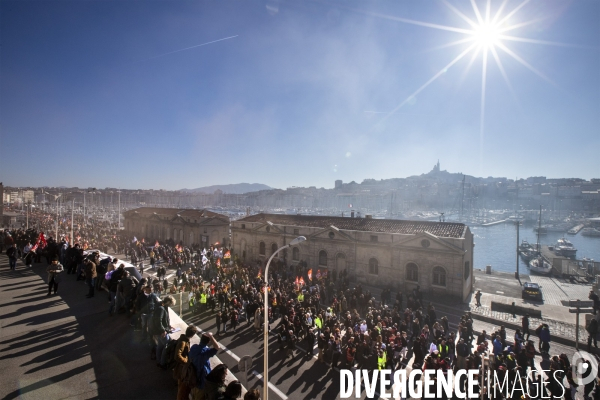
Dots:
pixel 496 245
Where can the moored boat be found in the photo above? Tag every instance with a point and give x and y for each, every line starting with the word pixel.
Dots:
pixel 540 266
pixel 565 248
pixel 590 232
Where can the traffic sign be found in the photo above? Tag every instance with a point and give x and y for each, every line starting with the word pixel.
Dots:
pixel 580 310
pixel 581 303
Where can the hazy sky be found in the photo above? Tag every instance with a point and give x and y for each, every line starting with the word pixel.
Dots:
pixel 299 93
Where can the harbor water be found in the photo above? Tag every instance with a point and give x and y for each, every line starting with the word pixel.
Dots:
pixel 496 246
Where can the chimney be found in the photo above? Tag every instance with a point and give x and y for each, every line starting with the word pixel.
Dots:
pixel 352 214
pixel 369 216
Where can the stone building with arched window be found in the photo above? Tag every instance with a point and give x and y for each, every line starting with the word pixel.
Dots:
pixel 437 256
pixel 199 227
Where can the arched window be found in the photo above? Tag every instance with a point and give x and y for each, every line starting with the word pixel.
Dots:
pixel 175 234
pixel 261 248
pixel 412 272
pixel 439 276
pixel 295 254
pixel 323 258
pixel 273 248
pixel 191 238
pixel 373 266
pixel 467 272
pixel 181 235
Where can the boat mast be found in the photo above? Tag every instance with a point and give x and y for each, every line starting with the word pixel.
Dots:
pixel 517 273
pixel 539 229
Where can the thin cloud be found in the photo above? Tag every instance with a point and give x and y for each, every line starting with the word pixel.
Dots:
pixel 187 48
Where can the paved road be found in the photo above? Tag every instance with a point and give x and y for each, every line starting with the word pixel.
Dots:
pixel 66 346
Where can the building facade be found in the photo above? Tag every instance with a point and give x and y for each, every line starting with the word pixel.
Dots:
pixel 191 227
pixel 437 256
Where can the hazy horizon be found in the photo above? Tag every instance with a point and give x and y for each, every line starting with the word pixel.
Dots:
pixel 289 186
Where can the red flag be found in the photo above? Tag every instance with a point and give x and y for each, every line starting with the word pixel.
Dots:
pixel 297 281
pixel 301 281
pixel 218 262
pixel 259 273
pixel 40 242
pixel 310 274
pixel 156 244
pixel 227 254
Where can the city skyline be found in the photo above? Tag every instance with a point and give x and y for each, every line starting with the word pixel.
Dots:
pixel 332 186
pixel 186 95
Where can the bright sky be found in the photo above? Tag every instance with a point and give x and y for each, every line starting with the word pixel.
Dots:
pixel 295 93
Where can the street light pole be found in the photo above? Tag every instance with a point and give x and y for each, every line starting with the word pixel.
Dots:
pixel 56 238
pixel 72 210
pixel 84 214
pixel 118 191
pixel 294 242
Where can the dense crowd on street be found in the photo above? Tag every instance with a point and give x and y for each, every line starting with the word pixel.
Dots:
pixel 350 327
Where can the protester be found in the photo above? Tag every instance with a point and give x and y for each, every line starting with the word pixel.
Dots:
pixel 200 355
pixel 54 275
pixel 182 350
pixel 90 277
pixel 161 328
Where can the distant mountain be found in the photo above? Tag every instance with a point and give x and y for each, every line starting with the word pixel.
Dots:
pixel 234 188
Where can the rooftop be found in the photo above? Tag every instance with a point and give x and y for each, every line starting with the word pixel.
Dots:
pixel 172 212
pixel 440 229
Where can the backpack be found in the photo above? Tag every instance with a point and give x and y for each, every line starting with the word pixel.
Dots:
pixel 150 304
pixel 187 374
pixel 170 353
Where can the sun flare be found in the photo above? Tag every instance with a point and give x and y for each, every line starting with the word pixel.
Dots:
pixel 487 35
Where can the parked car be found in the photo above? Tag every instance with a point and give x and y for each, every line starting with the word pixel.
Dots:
pixel 532 291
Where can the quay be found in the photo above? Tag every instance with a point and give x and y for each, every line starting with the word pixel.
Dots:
pixel 576 229
pixel 495 222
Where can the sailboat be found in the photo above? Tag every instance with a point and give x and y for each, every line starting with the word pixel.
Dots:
pixel 539 265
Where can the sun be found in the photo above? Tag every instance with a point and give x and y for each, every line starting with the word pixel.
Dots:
pixel 487 35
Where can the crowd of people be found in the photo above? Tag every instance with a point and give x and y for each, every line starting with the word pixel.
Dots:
pixel 350 327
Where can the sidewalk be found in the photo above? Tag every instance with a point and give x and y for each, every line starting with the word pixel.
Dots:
pixel 67 346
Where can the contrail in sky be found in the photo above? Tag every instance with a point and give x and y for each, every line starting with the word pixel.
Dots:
pixel 188 48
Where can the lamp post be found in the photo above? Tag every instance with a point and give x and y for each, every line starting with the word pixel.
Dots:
pixel 118 191
pixel 294 242
pixel 57 199
pixel 72 216
pixel 28 205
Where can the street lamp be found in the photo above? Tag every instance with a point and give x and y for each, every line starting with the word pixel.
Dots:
pixel 56 198
pixel 294 242
pixel 118 191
